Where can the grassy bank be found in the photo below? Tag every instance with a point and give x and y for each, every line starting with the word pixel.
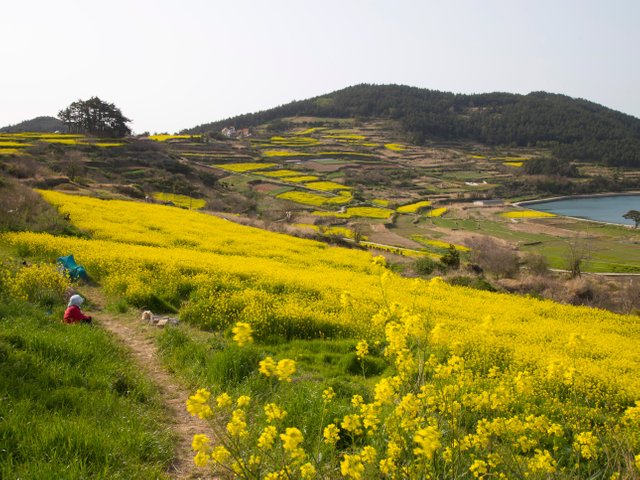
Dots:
pixel 73 405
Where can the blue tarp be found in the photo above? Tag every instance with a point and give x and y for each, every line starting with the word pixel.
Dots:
pixel 69 265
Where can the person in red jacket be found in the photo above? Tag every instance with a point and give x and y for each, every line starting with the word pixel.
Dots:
pixel 73 314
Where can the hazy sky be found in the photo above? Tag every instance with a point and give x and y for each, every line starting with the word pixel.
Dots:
pixel 170 65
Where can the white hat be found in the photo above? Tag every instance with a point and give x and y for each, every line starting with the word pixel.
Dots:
pixel 75 300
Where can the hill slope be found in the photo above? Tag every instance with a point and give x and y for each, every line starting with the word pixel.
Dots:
pixel 38 124
pixel 574 128
pixel 532 386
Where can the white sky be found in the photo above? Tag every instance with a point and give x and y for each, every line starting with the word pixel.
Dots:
pixel 170 65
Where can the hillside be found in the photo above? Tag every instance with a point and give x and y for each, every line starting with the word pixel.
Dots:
pixel 39 124
pixel 574 129
pixel 352 362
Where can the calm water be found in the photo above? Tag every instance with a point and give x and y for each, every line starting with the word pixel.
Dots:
pixel 603 209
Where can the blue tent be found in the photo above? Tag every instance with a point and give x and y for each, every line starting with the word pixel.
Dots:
pixel 69 265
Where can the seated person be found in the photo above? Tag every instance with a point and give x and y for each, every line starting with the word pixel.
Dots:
pixel 73 314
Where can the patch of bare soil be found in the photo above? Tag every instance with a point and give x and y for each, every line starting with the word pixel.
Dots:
pixel 546 228
pixel 381 234
pixel 266 187
pixel 137 337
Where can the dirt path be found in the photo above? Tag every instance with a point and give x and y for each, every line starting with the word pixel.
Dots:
pixel 137 337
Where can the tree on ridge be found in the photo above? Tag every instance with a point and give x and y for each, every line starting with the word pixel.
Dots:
pixel 95 117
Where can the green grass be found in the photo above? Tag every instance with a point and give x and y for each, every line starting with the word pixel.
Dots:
pixel 73 405
pixel 212 361
pixel 608 248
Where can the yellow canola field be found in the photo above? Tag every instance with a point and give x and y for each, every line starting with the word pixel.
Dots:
pixel 414 207
pixel 218 272
pixel 527 214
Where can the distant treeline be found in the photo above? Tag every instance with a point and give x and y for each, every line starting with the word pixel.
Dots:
pixel 574 129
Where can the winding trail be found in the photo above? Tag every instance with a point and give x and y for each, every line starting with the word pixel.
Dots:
pixel 138 338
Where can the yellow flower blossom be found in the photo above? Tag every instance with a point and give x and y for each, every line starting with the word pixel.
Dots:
pixel 384 391
pixel 197 404
pixel 267 437
pixel 267 367
pixel 307 471
pixel 362 349
pixel 291 439
pixel 284 369
pixel 201 459
pixel 237 426
pixel 352 423
pixel 200 442
pixel 368 455
pixel 220 455
pixel 479 468
pixel 242 333
pixel 243 401
pixel 428 440
pixel 352 467
pixel 331 434
pixel 587 444
pixel 274 412
pixel 542 461
pixel 328 394
pixel 223 400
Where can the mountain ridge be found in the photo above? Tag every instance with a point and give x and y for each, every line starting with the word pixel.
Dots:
pixel 41 124
pixel 574 129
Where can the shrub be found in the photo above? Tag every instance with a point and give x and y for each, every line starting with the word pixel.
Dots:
pixel 451 259
pixel 425 266
pixel 494 257
pixel 472 282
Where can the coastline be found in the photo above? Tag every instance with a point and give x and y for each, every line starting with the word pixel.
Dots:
pixel 569 197
pixel 528 203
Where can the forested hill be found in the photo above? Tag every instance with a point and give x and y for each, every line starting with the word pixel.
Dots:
pixel 38 124
pixel 574 128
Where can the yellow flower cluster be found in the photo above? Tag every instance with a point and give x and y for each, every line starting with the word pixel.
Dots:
pixel 242 333
pixel 301 179
pixel 283 370
pixel 38 283
pixel 313 199
pixel 165 137
pixel 395 147
pixel 370 212
pixel 414 207
pixel 326 186
pixel 181 200
pixel 280 173
pixel 527 214
pixel 436 212
pixel 463 364
pixel 197 404
pixel 244 167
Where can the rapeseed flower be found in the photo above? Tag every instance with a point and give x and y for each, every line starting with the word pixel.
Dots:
pixel 200 442
pixel 267 367
pixel 274 412
pixel 284 369
pixel 291 439
pixel 331 434
pixel 587 444
pixel 267 437
pixel 220 455
pixel 362 349
pixel 428 440
pixel 352 467
pixel 242 333
pixel 223 400
pixel 237 426
pixel 197 404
